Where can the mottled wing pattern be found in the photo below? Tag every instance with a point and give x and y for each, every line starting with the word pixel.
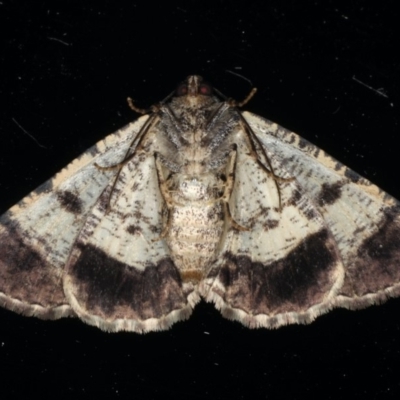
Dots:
pixel 270 228
pixel 364 220
pixel 37 234
pixel 285 268
pixel 120 275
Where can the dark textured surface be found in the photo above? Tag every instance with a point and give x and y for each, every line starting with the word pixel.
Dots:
pixel 110 289
pixel 329 193
pixel 70 202
pixel 25 276
pixel 379 260
pixel 67 69
pixel 294 283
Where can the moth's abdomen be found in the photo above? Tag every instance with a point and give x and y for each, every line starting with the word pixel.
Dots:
pixel 196 223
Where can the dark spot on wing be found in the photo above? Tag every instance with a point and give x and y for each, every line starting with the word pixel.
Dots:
pixel 295 197
pixel 70 202
pixel 112 289
pixel 303 143
pixel 305 207
pixel 154 228
pixel 134 229
pixel 293 283
pixel 329 193
pixel 353 176
pixel 270 224
pixel 310 213
pixel 338 166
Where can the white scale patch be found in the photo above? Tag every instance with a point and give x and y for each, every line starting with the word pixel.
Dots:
pixel 199 200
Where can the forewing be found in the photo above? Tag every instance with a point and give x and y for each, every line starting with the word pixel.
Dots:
pixel 285 267
pixel 120 275
pixel 37 234
pixel 364 220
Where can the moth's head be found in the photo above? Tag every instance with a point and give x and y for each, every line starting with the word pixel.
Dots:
pixel 194 86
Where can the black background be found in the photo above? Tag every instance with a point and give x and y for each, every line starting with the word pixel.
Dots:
pixel 325 69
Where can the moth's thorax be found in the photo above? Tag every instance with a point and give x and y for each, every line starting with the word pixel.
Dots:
pixel 193 112
pixel 193 104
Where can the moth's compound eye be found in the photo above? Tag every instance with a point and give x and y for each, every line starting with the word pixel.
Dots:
pixel 182 90
pixel 205 89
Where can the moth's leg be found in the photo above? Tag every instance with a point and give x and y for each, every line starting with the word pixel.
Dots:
pixel 256 147
pixel 165 194
pixel 219 133
pixel 254 143
pixel 230 175
pixel 129 154
pixel 229 184
pixel 135 145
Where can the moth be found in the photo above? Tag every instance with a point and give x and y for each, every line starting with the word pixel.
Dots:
pixel 197 199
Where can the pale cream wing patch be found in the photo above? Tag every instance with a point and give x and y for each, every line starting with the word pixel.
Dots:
pixel 120 275
pixel 285 268
pixel 364 220
pixel 36 235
